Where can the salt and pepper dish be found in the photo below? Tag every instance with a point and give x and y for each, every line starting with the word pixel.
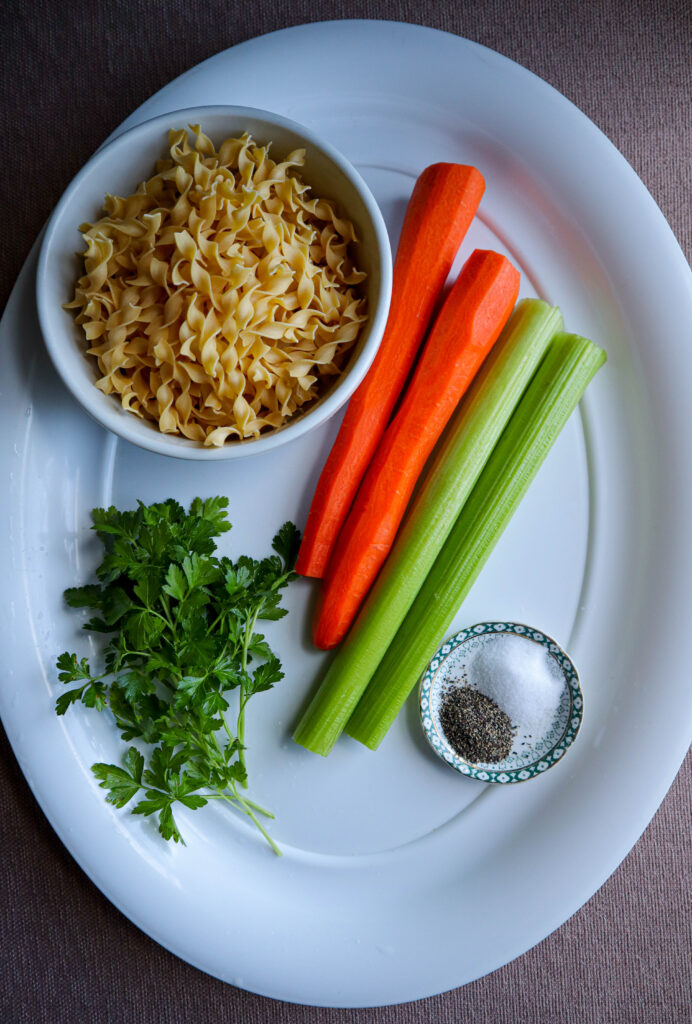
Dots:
pixel 500 702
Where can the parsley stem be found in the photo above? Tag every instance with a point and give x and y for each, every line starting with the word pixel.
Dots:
pixel 248 807
pixel 258 808
pixel 264 832
pixel 228 731
pixel 241 733
pixel 151 611
pixel 255 820
pixel 247 637
pixel 215 623
pixel 221 795
pixel 165 603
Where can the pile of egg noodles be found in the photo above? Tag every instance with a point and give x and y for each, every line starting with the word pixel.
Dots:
pixel 221 296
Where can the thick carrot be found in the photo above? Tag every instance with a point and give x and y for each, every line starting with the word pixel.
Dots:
pixel 444 201
pixel 469 323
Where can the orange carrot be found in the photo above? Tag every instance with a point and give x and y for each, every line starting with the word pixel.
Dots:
pixel 444 201
pixel 468 325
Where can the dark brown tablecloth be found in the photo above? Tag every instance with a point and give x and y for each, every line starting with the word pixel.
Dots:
pixel 71 70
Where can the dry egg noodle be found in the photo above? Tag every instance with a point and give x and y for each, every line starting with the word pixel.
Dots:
pixel 221 296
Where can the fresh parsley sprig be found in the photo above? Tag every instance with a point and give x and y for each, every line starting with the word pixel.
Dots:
pixel 181 624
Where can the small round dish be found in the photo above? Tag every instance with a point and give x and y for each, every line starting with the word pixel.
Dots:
pixel 117 167
pixel 530 755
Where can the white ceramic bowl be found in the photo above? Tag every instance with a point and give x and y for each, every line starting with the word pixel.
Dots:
pixel 117 167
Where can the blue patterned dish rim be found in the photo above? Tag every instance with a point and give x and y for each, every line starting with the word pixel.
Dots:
pixel 527 759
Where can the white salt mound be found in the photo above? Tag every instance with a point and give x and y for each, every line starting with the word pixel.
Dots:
pixel 521 677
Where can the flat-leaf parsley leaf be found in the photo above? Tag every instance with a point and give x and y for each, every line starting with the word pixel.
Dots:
pixel 182 636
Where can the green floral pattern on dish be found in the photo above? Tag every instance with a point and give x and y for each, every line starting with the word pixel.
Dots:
pixel 530 756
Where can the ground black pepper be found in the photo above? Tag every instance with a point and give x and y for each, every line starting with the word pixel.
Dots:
pixel 475 726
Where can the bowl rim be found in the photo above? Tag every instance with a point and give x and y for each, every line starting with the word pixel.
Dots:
pixel 107 412
pixel 485 772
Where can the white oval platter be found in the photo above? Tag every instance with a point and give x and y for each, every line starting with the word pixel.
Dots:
pixel 391 861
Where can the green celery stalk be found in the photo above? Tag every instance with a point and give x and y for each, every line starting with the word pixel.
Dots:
pixel 559 382
pixel 468 443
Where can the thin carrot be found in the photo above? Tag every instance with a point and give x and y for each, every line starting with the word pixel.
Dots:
pixel 444 201
pixel 466 328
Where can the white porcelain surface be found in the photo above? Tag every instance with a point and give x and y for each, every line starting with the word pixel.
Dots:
pixel 118 167
pixel 387 854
